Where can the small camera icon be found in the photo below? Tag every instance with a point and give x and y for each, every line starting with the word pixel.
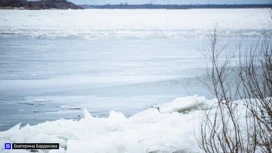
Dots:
pixel 8 146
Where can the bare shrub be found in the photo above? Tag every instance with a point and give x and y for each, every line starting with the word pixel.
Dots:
pixel 226 128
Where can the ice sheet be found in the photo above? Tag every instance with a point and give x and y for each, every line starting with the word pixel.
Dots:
pixel 107 24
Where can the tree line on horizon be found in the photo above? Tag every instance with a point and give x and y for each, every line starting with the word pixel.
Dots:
pixel 175 6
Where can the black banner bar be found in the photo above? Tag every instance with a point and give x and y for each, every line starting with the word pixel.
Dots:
pixel 35 145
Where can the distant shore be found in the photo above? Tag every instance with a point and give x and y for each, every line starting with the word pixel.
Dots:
pixel 68 5
pixel 174 6
pixel 23 8
pixel 37 5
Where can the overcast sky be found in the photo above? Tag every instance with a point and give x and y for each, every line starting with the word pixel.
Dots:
pixel 170 1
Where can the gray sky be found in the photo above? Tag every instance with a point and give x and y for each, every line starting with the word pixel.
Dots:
pixel 170 1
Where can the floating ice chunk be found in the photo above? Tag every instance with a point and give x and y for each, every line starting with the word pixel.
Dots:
pixel 87 115
pixel 147 131
pixel 182 102
pixel 15 128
